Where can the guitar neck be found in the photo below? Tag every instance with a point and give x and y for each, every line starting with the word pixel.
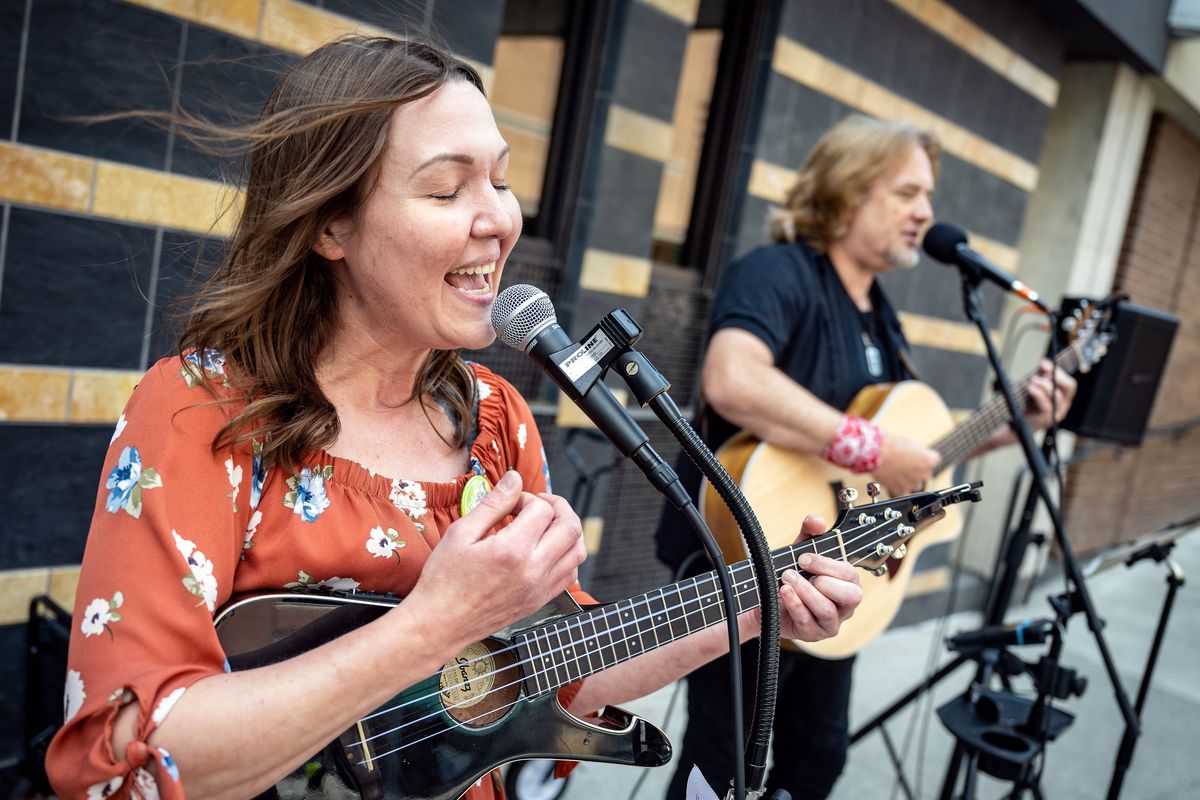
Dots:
pixel 973 431
pixel 586 643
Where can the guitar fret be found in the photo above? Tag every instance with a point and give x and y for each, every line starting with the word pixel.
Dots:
pixel 534 662
pixel 554 651
pixel 689 602
pixel 569 654
pixel 620 643
pixel 656 610
pixel 632 628
pixel 676 614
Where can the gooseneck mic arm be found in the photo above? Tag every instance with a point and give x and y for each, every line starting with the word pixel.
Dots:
pixel 524 318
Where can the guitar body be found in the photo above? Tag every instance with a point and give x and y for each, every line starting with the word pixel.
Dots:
pixel 783 487
pixel 440 736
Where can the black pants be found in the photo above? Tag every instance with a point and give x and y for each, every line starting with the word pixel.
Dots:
pixel 811 733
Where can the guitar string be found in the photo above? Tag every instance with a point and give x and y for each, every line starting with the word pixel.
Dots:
pixel 834 552
pixel 575 659
pixel 460 723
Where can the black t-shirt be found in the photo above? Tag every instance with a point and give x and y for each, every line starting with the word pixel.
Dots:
pixel 790 297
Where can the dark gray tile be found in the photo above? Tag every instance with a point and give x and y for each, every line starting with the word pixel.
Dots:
pixel 88 57
pixel 752 227
pixel 794 117
pixel 830 28
pixel 51 496
pixel 402 17
pixel 591 306
pixel 12 691
pixel 651 59
pixel 626 196
pixel 469 27
pixel 12 17
pixel 74 291
pixel 225 80
pixel 1020 25
pixel 958 377
pixel 979 201
pixel 187 262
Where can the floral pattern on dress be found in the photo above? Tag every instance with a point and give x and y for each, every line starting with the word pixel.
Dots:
pixel 234 473
pixel 385 543
pixel 99 613
pixel 144 785
pixel 73 695
pixel 200 581
pixel 485 391
pixel 126 482
pixel 213 366
pixel 251 529
pixel 258 476
pixel 304 580
pixel 522 435
pixel 307 497
pixel 121 423
pixel 409 497
pixel 99 791
pixel 165 705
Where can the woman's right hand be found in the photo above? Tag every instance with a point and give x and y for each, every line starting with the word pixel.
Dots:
pixel 476 583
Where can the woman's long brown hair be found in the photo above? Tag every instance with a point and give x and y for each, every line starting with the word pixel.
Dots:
pixel 270 306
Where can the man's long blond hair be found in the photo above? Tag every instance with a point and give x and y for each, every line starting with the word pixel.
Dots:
pixel 838 173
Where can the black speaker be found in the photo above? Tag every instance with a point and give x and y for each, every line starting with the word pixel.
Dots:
pixel 1115 397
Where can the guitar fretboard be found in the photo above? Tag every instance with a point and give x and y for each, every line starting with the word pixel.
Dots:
pixel 972 432
pixel 583 644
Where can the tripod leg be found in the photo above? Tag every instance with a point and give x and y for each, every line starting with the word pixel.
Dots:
pixel 952 773
pixel 896 762
pixel 971 777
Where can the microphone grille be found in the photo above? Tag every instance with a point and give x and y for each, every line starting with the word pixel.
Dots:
pixel 521 312
pixel 942 240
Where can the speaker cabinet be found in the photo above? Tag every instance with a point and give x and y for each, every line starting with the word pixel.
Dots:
pixel 1115 397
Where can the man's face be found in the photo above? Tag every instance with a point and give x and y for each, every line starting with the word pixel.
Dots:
pixel 885 232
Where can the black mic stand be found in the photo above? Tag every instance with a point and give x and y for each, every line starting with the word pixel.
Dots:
pixel 1078 599
pixel 650 389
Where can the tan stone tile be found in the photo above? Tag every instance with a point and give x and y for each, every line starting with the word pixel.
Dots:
pixel 239 17
pixel 63 581
pixel 32 394
pixel 682 10
pixel 301 28
pixel 615 273
pixel 770 181
pixel 593 532
pixel 569 415
pixel 17 588
pixel 158 198
pixel 638 134
pixel 45 178
pixel 100 396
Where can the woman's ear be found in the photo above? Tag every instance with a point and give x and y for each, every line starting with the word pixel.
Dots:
pixel 329 243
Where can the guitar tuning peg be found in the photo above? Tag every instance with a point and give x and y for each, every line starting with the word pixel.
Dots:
pixel 879 571
pixel 873 489
pixel 900 552
pixel 848 495
pixel 882 549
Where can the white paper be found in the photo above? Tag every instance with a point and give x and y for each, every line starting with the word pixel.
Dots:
pixel 698 788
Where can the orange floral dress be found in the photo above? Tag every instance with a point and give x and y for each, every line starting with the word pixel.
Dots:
pixel 178 530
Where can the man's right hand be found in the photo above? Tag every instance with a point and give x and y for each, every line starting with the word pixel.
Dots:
pixel 904 465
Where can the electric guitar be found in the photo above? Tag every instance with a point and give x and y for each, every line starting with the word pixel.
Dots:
pixel 778 483
pixel 496 701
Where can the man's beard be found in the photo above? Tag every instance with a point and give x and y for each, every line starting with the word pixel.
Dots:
pixel 908 258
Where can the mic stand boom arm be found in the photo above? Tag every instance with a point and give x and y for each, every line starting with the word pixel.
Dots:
pixel 650 388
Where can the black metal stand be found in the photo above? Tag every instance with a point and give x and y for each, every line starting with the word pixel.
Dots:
pixel 1078 599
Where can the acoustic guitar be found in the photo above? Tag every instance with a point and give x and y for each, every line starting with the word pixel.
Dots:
pixel 497 700
pixel 782 485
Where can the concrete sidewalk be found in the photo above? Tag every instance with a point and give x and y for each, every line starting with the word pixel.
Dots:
pixel 1166 764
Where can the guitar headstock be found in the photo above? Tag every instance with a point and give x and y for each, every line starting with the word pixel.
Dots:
pixel 868 535
pixel 1088 332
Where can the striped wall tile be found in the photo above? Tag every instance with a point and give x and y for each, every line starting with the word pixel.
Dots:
pixel 639 134
pixel 63 582
pixel 962 32
pixel 615 273
pixel 288 25
pixel 943 334
pixel 682 10
pixel 593 531
pixel 19 586
pixel 569 415
pixel 63 182
pixel 771 182
pixel 63 394
pixel 809 68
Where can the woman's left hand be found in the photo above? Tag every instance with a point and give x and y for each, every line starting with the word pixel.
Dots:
pixel 1049 381
pixel 814 609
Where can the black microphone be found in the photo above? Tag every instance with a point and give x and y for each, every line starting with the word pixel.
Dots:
pixel 524 318
pixel 1027 631
pixel 948 243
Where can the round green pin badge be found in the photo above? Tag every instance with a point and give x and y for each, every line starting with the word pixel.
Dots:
pixel 476 488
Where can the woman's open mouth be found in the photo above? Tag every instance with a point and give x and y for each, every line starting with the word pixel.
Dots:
pixel 472 280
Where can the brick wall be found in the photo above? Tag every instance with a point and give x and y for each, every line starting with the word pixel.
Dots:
pixel 1116 494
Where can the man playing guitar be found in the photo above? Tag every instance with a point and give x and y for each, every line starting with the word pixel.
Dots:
pixel 798 329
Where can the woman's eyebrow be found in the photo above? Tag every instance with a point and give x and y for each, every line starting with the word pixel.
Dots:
pixel 459 158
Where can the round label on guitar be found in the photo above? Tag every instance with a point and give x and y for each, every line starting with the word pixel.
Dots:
pixel 467 679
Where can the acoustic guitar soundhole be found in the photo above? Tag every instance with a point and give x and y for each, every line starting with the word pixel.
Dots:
pixel 480 684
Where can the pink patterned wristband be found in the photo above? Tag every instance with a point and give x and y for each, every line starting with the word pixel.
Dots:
pixel 856 446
